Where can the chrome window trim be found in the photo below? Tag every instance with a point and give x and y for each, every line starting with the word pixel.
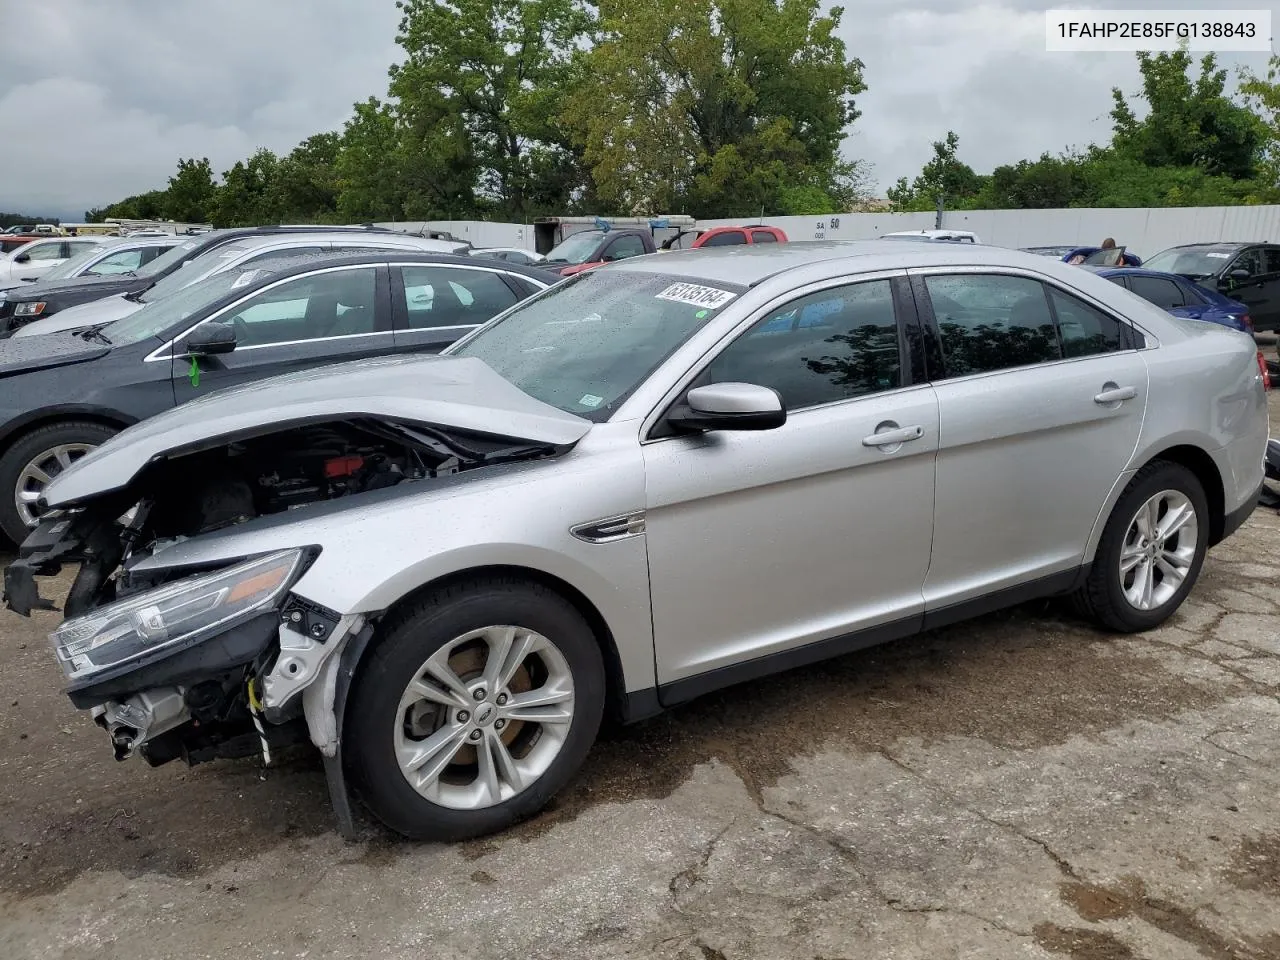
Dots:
pixel 159 354
pixel 650 420
pixel 542 285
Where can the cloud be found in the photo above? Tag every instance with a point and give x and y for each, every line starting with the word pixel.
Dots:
pixel 99 100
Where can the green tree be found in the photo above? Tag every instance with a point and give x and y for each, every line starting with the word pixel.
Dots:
pixel 479 97
pixel 716 107
pixel 191 192
pixel 1188 123
pixel 1262 94
pixel 943 178
pixel 1047 183
pixel 304 186
pixel 246 195
pixel 368 179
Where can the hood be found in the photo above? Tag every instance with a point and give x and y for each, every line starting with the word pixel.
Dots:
pixel 81 315
pixel 24 356
pixel 83 287
pixel 459 392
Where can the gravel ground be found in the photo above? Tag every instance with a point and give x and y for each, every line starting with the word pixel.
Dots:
pixel 1019 786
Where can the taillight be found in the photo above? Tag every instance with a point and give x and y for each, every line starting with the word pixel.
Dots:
pixel 1266 374
pixel 1248 322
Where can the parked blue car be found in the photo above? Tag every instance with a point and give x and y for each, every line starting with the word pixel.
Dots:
pixel 1180 296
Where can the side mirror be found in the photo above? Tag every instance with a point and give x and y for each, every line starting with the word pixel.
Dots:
pixel 211 338
pixel 730 406
pixel 1239 274
pixel 22 258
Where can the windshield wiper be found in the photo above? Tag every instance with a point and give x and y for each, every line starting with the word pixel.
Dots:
pixel 94 333
pixel 135 296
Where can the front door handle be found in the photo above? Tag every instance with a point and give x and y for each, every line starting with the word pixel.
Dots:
pixel 893 437
pixel 1113 394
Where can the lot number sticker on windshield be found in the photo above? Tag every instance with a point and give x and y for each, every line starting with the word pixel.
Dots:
pixel 696 295
pixel 1217 255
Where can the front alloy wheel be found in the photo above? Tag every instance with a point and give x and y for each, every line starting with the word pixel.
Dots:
pixel 486 715
pixel 477 704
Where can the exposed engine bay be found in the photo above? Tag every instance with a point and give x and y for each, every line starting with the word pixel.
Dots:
pixel 236 692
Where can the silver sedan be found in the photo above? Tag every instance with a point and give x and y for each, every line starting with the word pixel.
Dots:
pixel 653 480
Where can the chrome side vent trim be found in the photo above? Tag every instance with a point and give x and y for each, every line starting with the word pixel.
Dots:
pixel 611 528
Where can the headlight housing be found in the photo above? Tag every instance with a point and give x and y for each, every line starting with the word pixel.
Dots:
pixel 32 308
pixel 180 613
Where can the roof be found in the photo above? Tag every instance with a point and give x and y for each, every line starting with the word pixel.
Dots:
pixel 749 264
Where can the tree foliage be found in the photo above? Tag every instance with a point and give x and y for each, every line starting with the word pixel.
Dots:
pixel 513 109
pixel 716 107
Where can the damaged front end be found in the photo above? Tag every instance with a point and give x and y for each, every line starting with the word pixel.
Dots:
pixel 200 663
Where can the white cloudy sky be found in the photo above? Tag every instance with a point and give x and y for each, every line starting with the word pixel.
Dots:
pixel 98 100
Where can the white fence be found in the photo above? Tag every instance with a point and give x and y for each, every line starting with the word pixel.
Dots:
pixel 1143 230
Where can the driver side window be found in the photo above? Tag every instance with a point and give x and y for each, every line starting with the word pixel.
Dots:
pixel 315 307
pixel 830 345
pixel 1250 260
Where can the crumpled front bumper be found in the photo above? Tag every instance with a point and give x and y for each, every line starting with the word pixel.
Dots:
pixel 56 541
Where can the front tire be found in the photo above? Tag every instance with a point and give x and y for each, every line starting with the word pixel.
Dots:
pixel 479 704
pixel 1151 550
pixel 35 459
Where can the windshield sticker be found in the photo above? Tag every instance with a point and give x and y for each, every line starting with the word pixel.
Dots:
pixel 1216 255
pixel 698 296
pixel 590 400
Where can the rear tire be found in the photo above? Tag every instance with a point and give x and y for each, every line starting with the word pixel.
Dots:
pixel 447 759
pixel 47 451
pixel 1151 550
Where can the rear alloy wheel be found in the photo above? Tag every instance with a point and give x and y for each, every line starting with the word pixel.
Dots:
pixel 33 461
pixel 478 705
pixel 1151 550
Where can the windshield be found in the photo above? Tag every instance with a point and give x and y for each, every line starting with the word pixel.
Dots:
pixel 191 271
pixel 156 319
pixel 68 267
pixel 167 259
pixel 1192 261
pixel 586 344
pixel 575 249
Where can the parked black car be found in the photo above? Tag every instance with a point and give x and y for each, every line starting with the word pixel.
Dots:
pixel 1248 272
pixel 39 300
pixel 63 394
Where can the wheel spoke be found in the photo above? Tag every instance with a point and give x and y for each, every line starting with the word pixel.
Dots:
pixel 1175 559
pixel 506 763
pixel 429 758
pixel 29 496
pixel 1152 517
pixel 1175 520
pixel 1173 575
pixel 500 640
pixel 420 690
pixel 524 645
pixel 488 768
pixel 1148 575
pixel 1130 558
pixel 36 473
pixel 550 709
pixel 438 667
pixel 63 456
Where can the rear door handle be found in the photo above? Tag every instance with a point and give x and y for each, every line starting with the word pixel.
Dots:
pixel 891 438
pixel 1115 394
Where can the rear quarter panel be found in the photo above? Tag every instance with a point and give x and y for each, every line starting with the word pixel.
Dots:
pixel 1206 391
